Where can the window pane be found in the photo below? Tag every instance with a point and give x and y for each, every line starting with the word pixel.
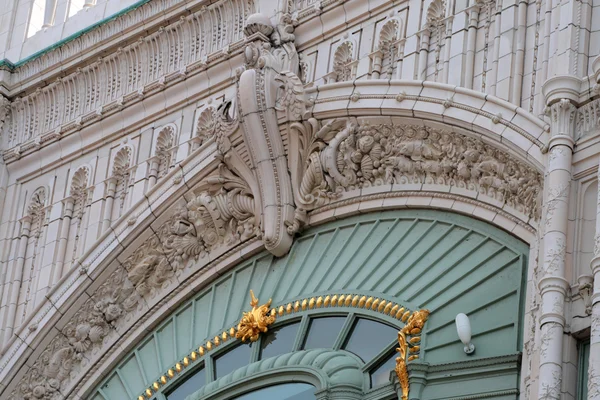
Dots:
pixel 278 341
pixel 288 391
pixel 381 375
pixel 368 338
pixel 322 332
pixel 584 360
pixel 189 386
pixel 232 360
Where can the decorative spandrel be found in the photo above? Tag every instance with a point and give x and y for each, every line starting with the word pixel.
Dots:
pixel 408 349
pixel 255 321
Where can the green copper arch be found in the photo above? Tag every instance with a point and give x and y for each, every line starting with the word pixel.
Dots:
pixel 328 368
pixel 441 261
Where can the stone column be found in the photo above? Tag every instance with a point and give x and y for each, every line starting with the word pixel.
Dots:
pixel 108 203
pixel 553 285
pixel 153 175
pixel 594 361
pixel 423 53
pixel 49 13
pixel 63 240
pixel 18 277
pixel 471 42
pixel 85 215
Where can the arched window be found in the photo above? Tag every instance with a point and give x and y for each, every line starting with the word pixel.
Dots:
pixel 370 340
pixel 286 391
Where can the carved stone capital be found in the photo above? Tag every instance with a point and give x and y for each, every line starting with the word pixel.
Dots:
pixel 562 121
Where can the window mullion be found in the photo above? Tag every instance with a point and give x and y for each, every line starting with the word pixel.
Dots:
pixel 345 331
pixel 302 332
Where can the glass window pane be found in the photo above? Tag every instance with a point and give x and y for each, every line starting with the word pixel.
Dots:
pixel 278 341
pixel 232 360
pixel 381 375
pixel 288 391
pixel 322 332
pixel 189 386
pixel 368 338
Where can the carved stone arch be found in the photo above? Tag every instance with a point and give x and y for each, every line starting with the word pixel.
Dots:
pixel 121 175
pixel 436 12
pixel 206 126
pixel 122 160
pixel 343 59
pixel 165 142
pixel 36 209
pixel 435 26
pixel 81 179
pixel 390 34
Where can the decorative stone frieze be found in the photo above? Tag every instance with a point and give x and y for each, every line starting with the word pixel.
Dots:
pixel 79 340
pixel 342 155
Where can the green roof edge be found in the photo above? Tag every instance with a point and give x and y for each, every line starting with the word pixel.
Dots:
pixel 7 64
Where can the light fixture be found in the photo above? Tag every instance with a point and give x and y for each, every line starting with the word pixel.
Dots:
pixel 463 328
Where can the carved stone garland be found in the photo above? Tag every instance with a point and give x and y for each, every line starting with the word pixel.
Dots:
pixel 342 155
pixel 80 340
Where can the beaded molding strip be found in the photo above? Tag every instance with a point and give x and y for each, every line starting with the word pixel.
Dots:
pixel 267 316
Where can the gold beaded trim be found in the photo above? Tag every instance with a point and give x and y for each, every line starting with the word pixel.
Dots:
pixel 376 304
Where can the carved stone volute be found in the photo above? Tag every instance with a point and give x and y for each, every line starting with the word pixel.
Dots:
pixel 267 90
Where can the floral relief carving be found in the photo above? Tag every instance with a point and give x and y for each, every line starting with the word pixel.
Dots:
pixel 215 122
pixel 555 259
pixel 342 62
pixel 593 383
pixel 342 155
pixel 551 391
pixel 222 214
pixel 595 331
pixel 79 340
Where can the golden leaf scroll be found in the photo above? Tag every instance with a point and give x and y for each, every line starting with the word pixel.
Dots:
pixel 413 328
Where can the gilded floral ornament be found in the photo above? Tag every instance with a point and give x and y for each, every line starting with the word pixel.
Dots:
pixel 255 321
pixel 414 326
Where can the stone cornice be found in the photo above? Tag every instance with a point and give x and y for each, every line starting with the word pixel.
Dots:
pixel 142 17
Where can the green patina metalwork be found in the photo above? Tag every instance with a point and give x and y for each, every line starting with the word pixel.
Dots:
pixel 441 261
pixel 332 368
pixel 7 64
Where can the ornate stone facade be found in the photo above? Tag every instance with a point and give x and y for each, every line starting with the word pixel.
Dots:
pixel 167 152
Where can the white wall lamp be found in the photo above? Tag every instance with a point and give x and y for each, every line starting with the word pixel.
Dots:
pixel 463 328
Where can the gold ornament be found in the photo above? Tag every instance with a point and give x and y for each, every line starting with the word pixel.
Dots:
pixel 255 321
pixel 414 326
